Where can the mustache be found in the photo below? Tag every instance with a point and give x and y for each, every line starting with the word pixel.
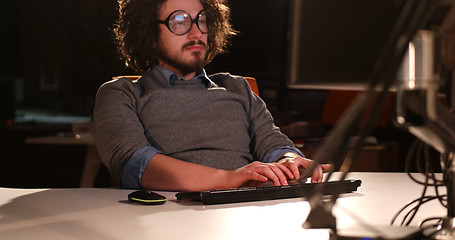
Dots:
pixel 193 43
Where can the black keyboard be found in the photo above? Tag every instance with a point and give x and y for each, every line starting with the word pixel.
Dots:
pixel 249 194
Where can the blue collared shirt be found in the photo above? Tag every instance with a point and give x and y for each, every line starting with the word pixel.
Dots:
pixel 173 77
pixel 136 165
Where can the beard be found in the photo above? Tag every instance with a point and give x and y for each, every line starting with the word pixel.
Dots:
pixel 185 66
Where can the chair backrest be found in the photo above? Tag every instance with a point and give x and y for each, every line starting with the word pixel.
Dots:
pixel 339 100
pixel 131 77
pixel 251 81
pixel 253 84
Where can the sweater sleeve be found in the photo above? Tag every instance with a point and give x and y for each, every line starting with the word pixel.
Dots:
pixel 117 129
pixel 266 138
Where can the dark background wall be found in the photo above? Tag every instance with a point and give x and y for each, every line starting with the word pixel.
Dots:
pixel 62 50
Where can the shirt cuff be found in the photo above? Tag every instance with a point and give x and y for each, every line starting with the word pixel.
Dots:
pixel 132 174
pixel 276 153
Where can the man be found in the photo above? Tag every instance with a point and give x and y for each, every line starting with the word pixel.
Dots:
pixel 175 128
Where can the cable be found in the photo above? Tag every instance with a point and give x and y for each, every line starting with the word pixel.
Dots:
pixel 416 208
pixel 423 201
pixel 420 152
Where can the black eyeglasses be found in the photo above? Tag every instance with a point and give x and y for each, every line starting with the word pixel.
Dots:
pixel 180 22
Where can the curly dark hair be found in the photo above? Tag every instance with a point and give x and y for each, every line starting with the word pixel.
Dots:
pixel 137 32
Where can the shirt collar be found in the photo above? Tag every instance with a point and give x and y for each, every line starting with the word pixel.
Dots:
pixel 173 77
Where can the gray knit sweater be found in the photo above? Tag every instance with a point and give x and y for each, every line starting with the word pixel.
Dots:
pixel 218 123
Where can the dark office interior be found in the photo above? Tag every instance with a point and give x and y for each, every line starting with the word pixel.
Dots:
pixel 56 53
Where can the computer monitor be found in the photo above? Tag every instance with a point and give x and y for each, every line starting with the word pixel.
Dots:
pixel 336 44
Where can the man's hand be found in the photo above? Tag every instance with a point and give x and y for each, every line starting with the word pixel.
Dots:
pixel 260 173
pixel 296 163
pixel 257 173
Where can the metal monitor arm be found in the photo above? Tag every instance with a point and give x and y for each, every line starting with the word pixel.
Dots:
pixel 423 114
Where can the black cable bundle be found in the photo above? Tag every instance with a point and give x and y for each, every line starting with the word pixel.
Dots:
pixel 419 153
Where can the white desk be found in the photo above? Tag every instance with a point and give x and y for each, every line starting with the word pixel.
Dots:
pixel 88 213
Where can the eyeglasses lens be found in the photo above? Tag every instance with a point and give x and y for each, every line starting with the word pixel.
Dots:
pixel 180 22
pixel 202 22
pixel 206 21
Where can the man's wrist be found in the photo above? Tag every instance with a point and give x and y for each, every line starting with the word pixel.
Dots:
pixel 286 157
pixel 289 155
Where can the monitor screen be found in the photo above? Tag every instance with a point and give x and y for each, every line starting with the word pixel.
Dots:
pixel 335 44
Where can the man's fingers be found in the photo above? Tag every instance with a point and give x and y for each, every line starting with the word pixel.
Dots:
pixel 274 172
pixel 281 173
pixel 326 167
pixel 317 175
pixel 258 177
pixel 288 171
